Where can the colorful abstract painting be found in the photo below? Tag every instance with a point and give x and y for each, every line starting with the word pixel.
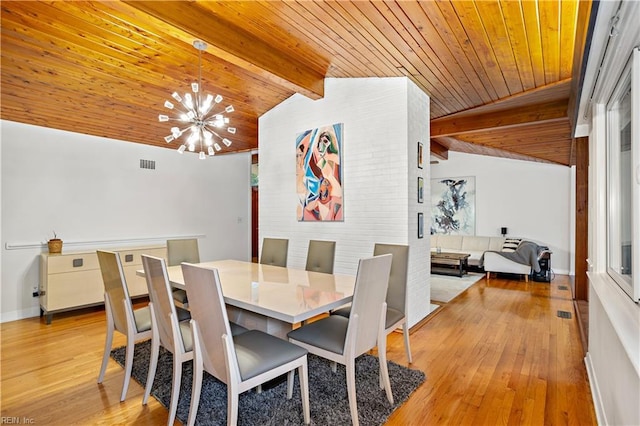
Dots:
pixel 319 174
pixel 453 203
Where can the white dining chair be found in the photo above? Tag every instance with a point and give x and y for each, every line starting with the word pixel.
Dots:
pixel 242 361
pixel 396 294
pixel 121 317
pixel 167 330
pixel 178 251
pixel 321 256
pixel 274 251
pixel 342 339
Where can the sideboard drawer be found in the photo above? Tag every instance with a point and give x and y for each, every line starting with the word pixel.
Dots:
pixel 62 263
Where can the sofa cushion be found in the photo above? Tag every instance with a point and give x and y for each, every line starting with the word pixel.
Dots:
pixel 450 241
pixel 495 243
pixel 511 244
pixel 475 243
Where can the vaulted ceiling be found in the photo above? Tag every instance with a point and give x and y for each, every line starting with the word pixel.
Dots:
pixel 499 73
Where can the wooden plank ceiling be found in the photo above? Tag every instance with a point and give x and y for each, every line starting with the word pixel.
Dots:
pixel 498 72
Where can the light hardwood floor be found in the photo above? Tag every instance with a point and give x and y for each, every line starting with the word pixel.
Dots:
pixel 497 354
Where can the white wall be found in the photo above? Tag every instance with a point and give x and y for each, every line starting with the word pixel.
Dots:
pixel 533 200
pixel 383 118
pixel 91 189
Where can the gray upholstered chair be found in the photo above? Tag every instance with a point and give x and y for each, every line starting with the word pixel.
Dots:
pixel 396 294
pixel 121 317
pixel 274 251
pixel 178 251
pixel 243 361
pixel 343 339
pixel 167 329
pixel 320 256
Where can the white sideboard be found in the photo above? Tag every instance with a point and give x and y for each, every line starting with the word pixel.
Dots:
pixel 73 280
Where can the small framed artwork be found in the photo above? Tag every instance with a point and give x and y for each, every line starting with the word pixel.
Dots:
pixel 420 190
pixel 420 155
pixel 420 225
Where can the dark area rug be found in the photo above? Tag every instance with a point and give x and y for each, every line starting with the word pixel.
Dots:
pixel 327 392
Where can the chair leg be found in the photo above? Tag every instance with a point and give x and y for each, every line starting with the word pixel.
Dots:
pixel 128 365
pixel 175 387
pixel 232 405
pixel 107 347
pixel 334 366
pixel 153 364
pixel 407 346
pixel 384 371
pixel 304 391
pixel 195 391
pixel 351 391
pixel 290 377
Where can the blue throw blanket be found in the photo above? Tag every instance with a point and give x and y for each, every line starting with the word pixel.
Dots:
pixel 525 254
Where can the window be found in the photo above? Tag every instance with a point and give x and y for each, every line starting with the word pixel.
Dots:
pixel 623 179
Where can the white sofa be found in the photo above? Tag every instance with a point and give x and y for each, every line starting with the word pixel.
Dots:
pixel 476 247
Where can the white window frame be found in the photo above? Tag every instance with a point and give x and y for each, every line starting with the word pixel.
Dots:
pixel 629 80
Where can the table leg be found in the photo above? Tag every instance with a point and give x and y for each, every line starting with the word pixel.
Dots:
pixel 254 321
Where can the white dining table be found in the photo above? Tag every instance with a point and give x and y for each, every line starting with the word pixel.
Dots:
pixel 273 298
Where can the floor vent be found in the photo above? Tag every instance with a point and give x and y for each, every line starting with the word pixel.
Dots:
pixel 147 164
pixel 563 287
pixel 564 314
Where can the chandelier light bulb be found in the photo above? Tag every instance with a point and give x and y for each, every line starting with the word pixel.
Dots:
pixel 188 101
pixel 201 114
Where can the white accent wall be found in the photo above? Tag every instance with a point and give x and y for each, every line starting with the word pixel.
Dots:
pixel 384 118
pixel 92 192
pixel 532 200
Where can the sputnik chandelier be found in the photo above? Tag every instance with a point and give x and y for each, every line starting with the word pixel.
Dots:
pixel 200 118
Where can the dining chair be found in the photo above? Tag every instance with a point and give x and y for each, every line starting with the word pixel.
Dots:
pixel 396 293
pixel 178 251
pixel 320 256
pixel 342 339
pixel 167 330
pixel 274 251
pixel 135 324
pixel 242 361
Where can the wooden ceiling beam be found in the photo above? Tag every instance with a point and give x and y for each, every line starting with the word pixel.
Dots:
pixel 546 112
pixel 439 151
pixel 234 45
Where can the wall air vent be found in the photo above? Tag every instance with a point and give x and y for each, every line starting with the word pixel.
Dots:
pixel 147 164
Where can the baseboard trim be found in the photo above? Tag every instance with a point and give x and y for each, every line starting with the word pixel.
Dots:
pixel 595 391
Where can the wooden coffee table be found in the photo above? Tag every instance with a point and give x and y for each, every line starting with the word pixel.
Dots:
pixel 449 263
